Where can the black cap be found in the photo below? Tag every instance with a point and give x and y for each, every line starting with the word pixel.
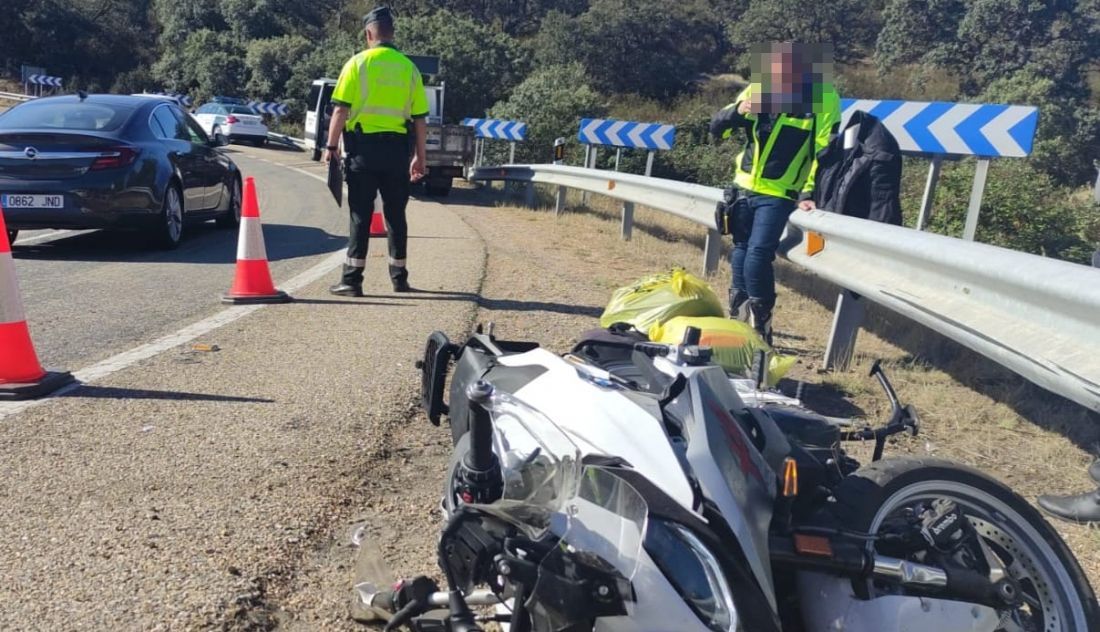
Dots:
pixel 381 14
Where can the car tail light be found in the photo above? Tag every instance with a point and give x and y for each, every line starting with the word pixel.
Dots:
pixel 113 158
pixel 232 119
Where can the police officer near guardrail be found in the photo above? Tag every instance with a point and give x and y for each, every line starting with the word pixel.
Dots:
pixel 379 91
pixel 788 113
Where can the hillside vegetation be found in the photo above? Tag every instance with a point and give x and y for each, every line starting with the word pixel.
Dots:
pixel 550 62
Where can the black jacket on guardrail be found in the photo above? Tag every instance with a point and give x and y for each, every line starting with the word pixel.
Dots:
pixel 865 180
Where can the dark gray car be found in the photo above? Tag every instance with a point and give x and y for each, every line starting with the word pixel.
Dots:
pixel 110 161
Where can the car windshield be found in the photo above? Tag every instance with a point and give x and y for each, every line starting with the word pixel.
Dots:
pixel 98 117
pixel 239 109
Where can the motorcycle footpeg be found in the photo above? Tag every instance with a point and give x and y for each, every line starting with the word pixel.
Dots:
pixel 369 604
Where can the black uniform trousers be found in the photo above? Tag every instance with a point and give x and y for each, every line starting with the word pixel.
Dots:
pixel 376 163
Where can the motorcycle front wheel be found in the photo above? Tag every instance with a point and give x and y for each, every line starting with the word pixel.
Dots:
pixel 1057 596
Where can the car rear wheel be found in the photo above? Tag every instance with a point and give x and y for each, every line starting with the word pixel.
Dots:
pixel 12 234
pixel 168 231
pixel 232 217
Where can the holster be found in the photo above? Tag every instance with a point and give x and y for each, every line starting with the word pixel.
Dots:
pixel 725 213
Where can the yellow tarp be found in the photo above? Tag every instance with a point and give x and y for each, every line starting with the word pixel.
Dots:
pixel 657 298
pixel 733 342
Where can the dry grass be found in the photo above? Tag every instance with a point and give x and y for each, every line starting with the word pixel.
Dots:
pixel 972 411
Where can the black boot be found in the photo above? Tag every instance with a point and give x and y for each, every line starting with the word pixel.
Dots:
pixel 400 278
pixel 739 310
pixel 1083 507
pixel 762 318
pixel 346 289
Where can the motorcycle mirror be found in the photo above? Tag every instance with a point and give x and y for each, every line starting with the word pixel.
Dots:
pixel 692 336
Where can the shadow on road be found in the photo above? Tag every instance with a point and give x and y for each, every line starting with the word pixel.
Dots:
pixel 499 304
pixel 108 392
pixel 348 301
pixel 202 243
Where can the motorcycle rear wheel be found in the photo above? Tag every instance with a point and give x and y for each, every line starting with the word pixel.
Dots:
pixel 1061 599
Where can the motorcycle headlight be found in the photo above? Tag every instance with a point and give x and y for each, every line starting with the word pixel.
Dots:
pixel 694 572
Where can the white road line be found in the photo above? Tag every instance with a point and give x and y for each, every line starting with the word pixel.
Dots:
pixel 53 234
pixel 129 358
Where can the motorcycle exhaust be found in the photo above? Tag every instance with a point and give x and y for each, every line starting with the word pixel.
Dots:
pixel 909 574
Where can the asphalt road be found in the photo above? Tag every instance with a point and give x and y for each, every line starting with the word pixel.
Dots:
pixel 184 488
pixel 91 294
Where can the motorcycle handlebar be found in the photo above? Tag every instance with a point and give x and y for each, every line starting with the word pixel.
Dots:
pixel 480 458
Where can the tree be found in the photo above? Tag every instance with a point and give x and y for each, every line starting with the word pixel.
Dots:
pixel 919 32
pixel 513 17
pixel 848 25
pixel 550 101
pixel 208 63
pixel 271 64
pixel 480 66
pixel 646 47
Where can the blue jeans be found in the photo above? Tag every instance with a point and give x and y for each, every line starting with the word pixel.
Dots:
pixel 757 227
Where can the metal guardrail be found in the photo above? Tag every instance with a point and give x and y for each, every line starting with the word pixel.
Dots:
pixel 13 96
pixel 1037 316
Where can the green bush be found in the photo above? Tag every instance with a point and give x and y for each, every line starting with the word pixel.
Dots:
pixel 479 65
pixel 551 101
pixel 1022 209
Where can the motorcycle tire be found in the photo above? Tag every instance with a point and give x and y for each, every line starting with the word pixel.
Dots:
pixel 1003 519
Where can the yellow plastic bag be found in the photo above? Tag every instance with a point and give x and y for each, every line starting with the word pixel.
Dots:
pixel 656 298
pixel 733 342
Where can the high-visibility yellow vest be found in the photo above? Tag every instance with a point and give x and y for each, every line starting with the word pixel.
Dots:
pixel 783 161
pixel 382 89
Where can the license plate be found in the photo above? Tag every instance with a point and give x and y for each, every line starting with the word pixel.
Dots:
pixel 15 200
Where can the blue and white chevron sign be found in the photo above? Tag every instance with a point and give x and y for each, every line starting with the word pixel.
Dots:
pixel 263 107
pixel 45 80
pixel 627 134
pixel 961 129
pixel 500 130
pixel 181 99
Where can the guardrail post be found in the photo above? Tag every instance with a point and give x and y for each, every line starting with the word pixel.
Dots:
pixel 846 323
pixel 587 165
pixel 929 192
pixel 980 172
pixel 559 203
pixel 628 220
pixel 529 195
pixel 712 252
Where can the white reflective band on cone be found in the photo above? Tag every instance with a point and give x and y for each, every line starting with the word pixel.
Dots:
pixel 250 243
pixel 397 263
pixel 355 263
pixel 11 306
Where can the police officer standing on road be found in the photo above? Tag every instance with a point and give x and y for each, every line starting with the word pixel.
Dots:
pixel 789 113
pixel 379 91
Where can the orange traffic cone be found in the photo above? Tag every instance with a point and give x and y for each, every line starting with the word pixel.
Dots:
pixel 377 220
pixel 21 375
pixel 252 283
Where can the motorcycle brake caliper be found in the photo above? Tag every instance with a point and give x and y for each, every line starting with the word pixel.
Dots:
pixel 950 533
pixel 942 525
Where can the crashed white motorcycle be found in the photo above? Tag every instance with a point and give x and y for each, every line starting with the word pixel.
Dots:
pixel 628 486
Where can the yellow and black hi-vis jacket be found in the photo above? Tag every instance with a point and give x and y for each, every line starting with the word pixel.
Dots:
pixel 780 157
